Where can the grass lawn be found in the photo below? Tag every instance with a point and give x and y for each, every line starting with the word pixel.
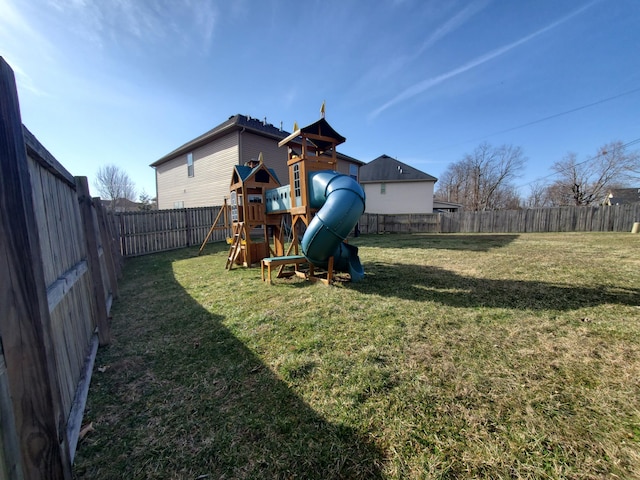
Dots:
pixel 458 356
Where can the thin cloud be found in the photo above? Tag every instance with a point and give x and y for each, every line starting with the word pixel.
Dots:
pixel 425 85
pixel 181 23
pixel 398 63
pixel 451 25
pixel 18 40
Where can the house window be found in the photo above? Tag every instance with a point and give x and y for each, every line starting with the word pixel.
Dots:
pixel 190 164
pixel 353 171
pixel 178 204
pixel 383 188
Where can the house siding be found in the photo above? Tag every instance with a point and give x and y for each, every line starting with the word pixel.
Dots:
pixel 343 167
pixel 399 197
pixel 213 165
pixel 274 157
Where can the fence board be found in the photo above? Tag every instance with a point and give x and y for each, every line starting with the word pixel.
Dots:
pixel 93 260
pixel 10 465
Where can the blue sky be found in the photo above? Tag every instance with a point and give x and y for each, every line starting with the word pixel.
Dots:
pixel 127 81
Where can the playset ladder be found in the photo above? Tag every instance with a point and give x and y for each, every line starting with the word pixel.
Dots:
pixel 236 244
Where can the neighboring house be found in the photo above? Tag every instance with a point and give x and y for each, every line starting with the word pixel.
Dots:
pixel 441 206
pixel 197 174
pixel 623 196
pixel 395 187
pixel 121 205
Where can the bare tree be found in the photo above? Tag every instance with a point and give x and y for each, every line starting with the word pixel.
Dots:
pixel 113 184
pixel 482 179
pixel 587 182
pixel 538 196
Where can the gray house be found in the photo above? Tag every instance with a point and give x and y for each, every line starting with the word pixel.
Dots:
pixel 395 187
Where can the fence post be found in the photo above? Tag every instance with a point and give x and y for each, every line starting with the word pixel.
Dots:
pixel 113 230
pixel 93 260
pixel 123 239
pixel 25 324
pixel 107 247
pixel 188 226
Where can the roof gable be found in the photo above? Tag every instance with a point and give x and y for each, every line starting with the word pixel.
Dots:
pixel 388 169
pixel 245 173
pixel 321 128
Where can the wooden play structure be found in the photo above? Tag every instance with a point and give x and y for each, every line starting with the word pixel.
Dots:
pixel 249 241
pixel 311 216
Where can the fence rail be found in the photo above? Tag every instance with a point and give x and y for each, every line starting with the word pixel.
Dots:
pixel 60 263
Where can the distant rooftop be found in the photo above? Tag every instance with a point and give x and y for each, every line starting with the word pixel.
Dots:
pixel 388 169
pixel 623 196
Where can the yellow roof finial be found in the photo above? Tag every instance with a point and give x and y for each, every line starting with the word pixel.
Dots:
pixel 260 158
pixel 322 110
pixel 295 126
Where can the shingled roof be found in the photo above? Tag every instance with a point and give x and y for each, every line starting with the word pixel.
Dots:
pixel 321 128
pixel 388 169
pixel 245 171
pixel 623 196
pixel 235 122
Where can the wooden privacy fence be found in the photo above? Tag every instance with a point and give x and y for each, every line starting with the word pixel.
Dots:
pixel 399 223
pixel 159 230
pixel 142 233
pixel 60 262
pixel 615 218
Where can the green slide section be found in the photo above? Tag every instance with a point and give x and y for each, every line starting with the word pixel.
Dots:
pixel 341 201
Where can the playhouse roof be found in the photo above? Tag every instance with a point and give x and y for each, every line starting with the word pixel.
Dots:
pixel 245 172
pixel 321 128
pixel 388 169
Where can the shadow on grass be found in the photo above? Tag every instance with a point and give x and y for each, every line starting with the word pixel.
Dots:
pixel 471 242
pixel 435 284
pixel 177 395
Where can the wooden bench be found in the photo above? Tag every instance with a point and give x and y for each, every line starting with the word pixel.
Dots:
pixel 274 262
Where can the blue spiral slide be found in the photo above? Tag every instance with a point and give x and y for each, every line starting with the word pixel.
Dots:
pixel 341 201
